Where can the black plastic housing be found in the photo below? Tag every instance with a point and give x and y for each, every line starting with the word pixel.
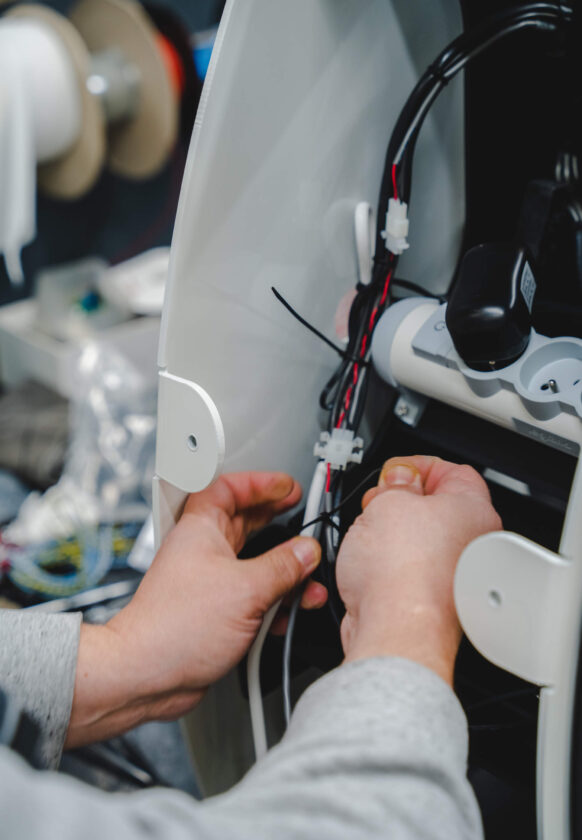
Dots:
pixel 489 311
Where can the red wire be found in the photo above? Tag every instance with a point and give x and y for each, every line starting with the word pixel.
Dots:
pixel 394 182
pixel 365 337
pixel 348 398
pixel 328 481
pixel 386 287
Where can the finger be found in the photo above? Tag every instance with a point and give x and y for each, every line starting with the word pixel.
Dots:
pixel 314 596
pixel 242 502
pixel 235 492
pixel 396 475
pixel 439 476
pixel 281 569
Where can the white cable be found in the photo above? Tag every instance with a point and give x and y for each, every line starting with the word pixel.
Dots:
pixel 312 508
pixel 365 232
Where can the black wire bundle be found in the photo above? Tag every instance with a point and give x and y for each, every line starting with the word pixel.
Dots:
pixel 397 176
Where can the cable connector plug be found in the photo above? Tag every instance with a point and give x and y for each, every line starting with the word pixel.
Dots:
pixel 340 448
pixel 396 229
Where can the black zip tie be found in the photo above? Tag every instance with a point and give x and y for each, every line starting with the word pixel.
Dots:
pixel 326 516
pixel 315 331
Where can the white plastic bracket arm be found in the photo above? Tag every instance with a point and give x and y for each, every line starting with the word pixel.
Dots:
pixel 521 606
pixel 190 447
pixel 509 594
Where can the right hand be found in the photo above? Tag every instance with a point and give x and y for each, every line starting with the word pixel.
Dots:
pixel 396 564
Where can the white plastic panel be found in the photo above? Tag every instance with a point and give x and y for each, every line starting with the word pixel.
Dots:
pixel 291 134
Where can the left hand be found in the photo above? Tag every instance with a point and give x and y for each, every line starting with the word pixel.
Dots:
pixel 196 612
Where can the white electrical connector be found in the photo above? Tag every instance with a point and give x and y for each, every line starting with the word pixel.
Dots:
pixel 339 449
pixel 396 229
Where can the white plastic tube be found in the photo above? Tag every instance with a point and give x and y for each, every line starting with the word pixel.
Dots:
pixel 312 508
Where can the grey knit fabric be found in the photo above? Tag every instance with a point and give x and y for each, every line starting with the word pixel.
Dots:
pixel 376 749
pixel 38 656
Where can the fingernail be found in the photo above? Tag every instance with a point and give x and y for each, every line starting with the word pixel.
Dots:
pixel 400 474
pixel 306 552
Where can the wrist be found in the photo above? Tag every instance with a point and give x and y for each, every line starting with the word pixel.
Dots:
pixel 426 634
pixel 112 693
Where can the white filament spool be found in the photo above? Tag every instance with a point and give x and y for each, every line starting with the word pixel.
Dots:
pixel 73 173
pixel 51 85
pixel 41 119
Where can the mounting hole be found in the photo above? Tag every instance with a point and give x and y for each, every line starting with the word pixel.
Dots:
pixel 192 443
pixel 495 598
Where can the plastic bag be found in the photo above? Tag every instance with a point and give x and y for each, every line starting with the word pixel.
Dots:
pixel 106 479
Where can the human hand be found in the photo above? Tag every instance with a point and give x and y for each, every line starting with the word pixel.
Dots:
pixel 196 612
pixel 396 564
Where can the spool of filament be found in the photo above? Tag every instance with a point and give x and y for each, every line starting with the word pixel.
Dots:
pixel 139 145
pixel 72 173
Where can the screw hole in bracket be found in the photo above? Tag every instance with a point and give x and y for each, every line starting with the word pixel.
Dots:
pixel 495 598
pixel 192 443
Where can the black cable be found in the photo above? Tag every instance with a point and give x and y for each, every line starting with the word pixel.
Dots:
pixel 541 16
pixel 465 48
pixel 334 601
pixel 306 324
pixel 502 698
pixel 491 727
pixel 326 517
pixel 414 287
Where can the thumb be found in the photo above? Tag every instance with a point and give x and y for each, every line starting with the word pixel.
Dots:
pixel 396 474
pixel 281 569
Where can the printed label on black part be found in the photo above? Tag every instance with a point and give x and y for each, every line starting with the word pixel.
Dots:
pixel 528 285
pixel 570 447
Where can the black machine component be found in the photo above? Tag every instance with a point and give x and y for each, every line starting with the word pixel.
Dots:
pixel 489 311
pixel 550 225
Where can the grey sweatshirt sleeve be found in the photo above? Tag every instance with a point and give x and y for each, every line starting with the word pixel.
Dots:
pixel 38 657
pixel 375 749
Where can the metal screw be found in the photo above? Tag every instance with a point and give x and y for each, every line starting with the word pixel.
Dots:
pixel 439 326
pixel 402 410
